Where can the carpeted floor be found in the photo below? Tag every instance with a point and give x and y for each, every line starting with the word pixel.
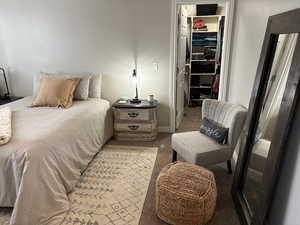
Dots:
pixel 225 211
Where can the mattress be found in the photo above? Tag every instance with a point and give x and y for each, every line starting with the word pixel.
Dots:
pixel 49 149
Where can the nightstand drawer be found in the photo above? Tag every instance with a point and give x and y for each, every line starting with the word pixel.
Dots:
pixel 132 114
pixel 134 127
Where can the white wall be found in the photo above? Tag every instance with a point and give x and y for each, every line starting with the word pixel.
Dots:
pixel 95 35
pixel 249 29
pixel 3 61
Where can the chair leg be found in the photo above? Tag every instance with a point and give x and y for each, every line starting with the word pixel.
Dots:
pixel 229 166
pixel 174 156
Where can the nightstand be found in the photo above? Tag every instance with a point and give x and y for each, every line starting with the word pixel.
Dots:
pixel 8 100
pixel 135 122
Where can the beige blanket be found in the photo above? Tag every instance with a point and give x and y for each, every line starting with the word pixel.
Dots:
pixel 5 125
pixel 43 161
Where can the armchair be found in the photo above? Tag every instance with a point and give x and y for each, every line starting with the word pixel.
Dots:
pixel 199 149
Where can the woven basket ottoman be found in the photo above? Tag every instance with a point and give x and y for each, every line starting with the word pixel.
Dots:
pixel 185 194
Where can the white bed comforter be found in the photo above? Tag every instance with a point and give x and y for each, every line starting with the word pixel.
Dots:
pixel 43 161
pixel 5 125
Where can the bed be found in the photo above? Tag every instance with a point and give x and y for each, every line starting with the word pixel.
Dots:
pixel 49 150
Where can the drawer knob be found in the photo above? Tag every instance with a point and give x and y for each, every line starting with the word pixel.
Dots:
pixel 133 127
pixel 133 114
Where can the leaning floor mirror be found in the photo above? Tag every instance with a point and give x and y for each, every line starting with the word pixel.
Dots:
pixel 273 101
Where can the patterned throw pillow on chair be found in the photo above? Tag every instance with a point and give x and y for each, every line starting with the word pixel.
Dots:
pixel 214 130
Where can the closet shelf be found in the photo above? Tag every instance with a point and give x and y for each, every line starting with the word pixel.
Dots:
pixel 208 16
pixel 200 98
pixel 203 74
pixel 201 87
pixel 204 31
pixel 203 60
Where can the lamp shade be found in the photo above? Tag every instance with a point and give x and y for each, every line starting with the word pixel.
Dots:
pixel 134 76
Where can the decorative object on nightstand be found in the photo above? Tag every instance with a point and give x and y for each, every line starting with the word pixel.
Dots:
pixel 151 98
pixel 135 122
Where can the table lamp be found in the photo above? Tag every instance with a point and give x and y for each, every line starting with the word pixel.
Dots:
pixel 6 96
pixel 135 80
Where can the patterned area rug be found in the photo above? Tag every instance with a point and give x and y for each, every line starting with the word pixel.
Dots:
pixel 112 190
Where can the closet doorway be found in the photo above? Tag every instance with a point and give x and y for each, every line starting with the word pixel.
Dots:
pixel 202 33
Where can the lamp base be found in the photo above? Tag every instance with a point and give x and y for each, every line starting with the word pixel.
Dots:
pixel 135 101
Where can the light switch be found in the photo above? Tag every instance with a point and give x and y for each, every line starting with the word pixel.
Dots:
pixel 155 66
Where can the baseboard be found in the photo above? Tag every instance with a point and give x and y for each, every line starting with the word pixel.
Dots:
pixel 164 129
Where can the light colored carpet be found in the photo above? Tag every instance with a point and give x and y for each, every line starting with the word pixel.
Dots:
pixel 112 190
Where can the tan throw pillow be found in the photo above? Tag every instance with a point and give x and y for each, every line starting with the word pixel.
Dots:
pixel 81 91
pixel 56 92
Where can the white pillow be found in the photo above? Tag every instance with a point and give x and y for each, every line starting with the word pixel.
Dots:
pixel 95 86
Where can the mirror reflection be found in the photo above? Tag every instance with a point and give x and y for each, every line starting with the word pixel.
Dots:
pixel 268 117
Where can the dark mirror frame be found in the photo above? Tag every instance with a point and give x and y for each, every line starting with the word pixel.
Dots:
pixel 284 23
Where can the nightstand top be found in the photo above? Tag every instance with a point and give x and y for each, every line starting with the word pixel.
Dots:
pixel 145 104
pixel 9 100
